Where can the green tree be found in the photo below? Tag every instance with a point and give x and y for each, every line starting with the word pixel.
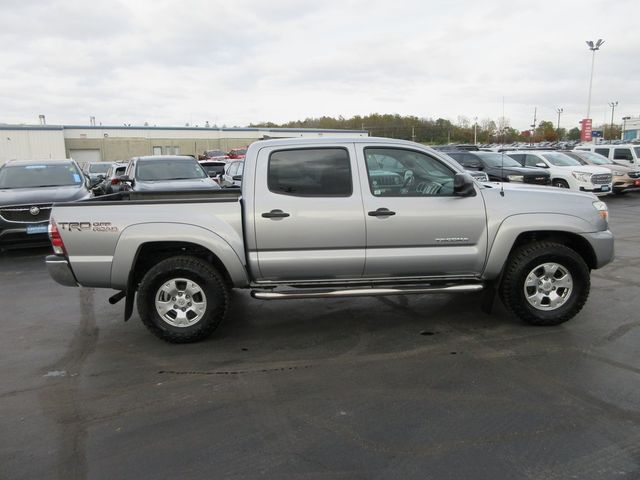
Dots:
pixel 573 134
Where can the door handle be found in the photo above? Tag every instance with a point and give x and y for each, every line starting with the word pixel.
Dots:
pixel 275 214
pixel 381 212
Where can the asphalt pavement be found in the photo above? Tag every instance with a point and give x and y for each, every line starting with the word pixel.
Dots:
pixel 375 388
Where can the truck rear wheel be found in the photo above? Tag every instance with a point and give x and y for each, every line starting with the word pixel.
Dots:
pixel 182 299
pixel 545 283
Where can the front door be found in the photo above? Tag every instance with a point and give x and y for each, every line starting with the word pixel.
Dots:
pixel 416 225
pixel 309 220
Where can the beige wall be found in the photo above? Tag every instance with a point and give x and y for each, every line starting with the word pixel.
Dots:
pixel 124 148
pixel 31 145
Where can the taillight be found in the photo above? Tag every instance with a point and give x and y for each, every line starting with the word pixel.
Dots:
pixel 56 239
pixel 115 181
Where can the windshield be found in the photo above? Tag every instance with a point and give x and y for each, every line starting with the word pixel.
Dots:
pixel 595 158
pixel 637 150
pixel 216 153
pixel 45 175
pixel 498 160
pixel 560 160
pixel 168 169
pixel 99 167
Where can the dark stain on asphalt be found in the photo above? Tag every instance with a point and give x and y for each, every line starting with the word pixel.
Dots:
pixel 62 401
pixel 233 372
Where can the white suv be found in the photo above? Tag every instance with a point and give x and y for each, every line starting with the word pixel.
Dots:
pixel 567 172
pixel 625 154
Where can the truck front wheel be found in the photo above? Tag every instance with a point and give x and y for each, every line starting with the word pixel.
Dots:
pixel 545 283
pixel 182 299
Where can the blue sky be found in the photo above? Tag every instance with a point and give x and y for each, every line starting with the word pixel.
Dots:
pixel 169 62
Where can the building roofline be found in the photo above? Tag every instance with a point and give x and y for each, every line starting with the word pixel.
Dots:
pixel 7 126
pixel 141 127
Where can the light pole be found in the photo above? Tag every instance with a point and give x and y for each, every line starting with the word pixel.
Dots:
pixel 613 106
pixel 475 130
pixel 624 126
pixel 593 47
pixel 559 110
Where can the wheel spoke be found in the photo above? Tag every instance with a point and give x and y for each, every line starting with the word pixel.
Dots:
pixel 564 282
pixel 550 269
pixel 164 307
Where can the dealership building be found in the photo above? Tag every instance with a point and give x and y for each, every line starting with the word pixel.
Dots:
pixel 102 143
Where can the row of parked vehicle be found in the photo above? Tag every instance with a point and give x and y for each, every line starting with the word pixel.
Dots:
pixel 598 169
pixel 29 188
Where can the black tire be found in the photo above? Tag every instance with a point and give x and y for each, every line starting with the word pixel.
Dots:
pixel 522 261
pixel 212 285
pixel 558 182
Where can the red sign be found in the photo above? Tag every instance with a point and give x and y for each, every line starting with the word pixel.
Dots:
pixel 585 131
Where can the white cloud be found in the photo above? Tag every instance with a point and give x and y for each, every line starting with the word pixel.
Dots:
pixel 172 62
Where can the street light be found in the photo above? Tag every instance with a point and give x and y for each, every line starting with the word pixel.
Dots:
pixel 613 106
pixel 624 126
pixel 593 47
pixel 559 110
pixel 475 130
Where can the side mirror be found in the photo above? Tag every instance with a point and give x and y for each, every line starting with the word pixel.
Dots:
pixel 237 178
pixel 541 165
pixel 463 185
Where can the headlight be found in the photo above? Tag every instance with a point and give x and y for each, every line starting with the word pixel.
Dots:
pixel 515 178
pixel 602 209
pixel 617 173
pixel 584 177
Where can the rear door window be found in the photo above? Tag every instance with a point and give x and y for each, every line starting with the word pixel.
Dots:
pixel 622 154
pixel 312 172
pixel 602 151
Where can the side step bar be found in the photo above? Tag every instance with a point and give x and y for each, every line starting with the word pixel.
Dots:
pixel 365 292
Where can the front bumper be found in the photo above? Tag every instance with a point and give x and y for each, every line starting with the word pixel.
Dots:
pixel 16 236
pixel 598 190
pixel 60 270
pixel 603 246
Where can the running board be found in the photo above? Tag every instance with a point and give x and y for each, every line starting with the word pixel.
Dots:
pixel 364 292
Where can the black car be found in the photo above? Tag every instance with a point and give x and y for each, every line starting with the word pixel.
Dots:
pixel 110 182
pixel 28 188
pixel 166 173
pixel 500 167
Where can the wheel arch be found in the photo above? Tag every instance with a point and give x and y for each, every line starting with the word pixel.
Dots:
pixel 137 251
pixel 519 230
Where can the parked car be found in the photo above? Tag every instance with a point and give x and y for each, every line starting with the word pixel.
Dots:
pixel 232 176
pixel 627 153
pixel 215 169
pixel 28 188
pixel 214 155
pixel 110 181
pixel 238 153
pixel 500 167
pixel 162 173
pixel 94 169
pixel 475 174
pixel 566 172
pixel 625 178
pixel 311 222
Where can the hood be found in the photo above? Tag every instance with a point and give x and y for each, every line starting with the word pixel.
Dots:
pixel 522 198
pixel 164 185
pixel 586 168
pixel 20 196
pixel 529 172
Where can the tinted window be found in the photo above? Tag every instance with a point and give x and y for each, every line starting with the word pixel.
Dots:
pixel 532 160
pixel 30 176
pixel 168 169
pixel 622 154
pixel 323 172
pixel 396 172
pixel 518 157
pixel 457 156
pixel 498 160
pixel 603 151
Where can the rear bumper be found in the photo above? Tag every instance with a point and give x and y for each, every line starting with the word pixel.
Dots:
pixel 603 246
pixel 60 270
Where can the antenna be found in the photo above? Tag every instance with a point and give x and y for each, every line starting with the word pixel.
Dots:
pixel 502 148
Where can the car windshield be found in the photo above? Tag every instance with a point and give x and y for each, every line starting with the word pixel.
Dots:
pixel 99 167
pixel 560 160
pixel 596 158
pixel 498 160
pixel 40 175
pixel 637 150
pixel 239 152
pixel 216 153
pixel 169 169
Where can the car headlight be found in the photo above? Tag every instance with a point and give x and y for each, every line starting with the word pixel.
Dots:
pixel 584 177
pixel 515 178
pixel 617 173
pixel 602 209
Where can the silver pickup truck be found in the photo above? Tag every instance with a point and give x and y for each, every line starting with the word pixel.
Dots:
pixel 334 218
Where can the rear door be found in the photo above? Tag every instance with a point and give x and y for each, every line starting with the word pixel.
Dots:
pixel 309 220
pixel 416 226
